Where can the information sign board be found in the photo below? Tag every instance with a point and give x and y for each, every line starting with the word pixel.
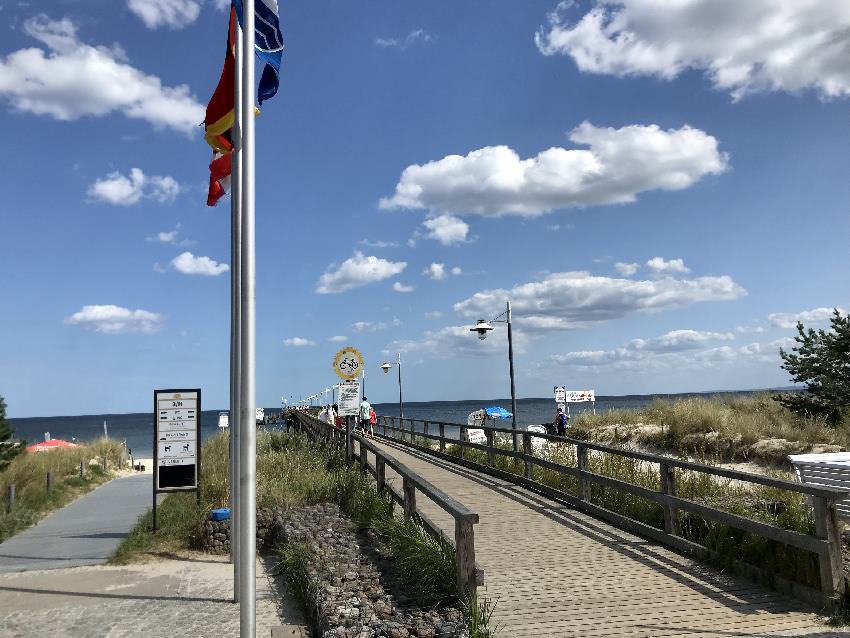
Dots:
pixel 349 397
pixel 560 394
pixel 580 396
pixel 177 429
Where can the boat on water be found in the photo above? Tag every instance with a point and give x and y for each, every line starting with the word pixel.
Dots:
pixel 224 419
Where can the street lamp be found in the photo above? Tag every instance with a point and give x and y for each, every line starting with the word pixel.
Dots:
pixel 386 368
pixel 482 328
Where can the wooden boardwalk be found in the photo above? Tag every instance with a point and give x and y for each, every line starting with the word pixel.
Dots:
pixel 555 571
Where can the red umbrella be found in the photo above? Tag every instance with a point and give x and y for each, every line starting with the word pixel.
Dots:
pixel 52 444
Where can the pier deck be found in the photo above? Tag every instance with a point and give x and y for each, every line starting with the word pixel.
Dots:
pixel 555 571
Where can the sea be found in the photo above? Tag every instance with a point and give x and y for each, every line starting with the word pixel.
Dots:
pixel 137 428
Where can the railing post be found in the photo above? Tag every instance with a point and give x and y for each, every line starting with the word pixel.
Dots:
pixel 832 583
pixel 465 556
pixel 409 489
pixel 364 458
pixel 392 427
pixel 380 473
pixel 581 458
pixel 442 438
pixel 425 432
pixel 668 487
pixel 490 453
pixel 49 481
pixel 526 453
pixel 10 498
pixel 463 439
pixel 81 470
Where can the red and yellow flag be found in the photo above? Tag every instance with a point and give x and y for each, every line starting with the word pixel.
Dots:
pixel 218 122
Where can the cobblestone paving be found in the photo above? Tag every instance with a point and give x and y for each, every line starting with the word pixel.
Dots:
pixel 190 596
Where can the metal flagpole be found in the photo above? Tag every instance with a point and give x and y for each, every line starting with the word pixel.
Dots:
pixel 513 387
pixel 248 428
pixel 235 312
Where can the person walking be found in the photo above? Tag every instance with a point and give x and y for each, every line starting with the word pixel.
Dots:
pixel 561 422
pixel 365 412
pixel 373 419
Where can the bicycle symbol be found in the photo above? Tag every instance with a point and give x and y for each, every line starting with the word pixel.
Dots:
pixel 348 365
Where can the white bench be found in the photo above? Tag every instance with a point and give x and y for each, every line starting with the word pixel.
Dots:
pixel 828 470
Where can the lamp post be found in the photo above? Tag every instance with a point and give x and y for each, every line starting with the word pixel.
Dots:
pixel 386 368
pixel 482 328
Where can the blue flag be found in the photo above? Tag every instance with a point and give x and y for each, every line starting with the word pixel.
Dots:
pixel 268 44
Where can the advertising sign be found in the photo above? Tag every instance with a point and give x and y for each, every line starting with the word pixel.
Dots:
pixel 348 363
pixel 349 397
pixel 177 459
pixel 579 396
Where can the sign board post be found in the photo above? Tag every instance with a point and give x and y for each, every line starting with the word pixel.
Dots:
pixel 349 406
pixel 176 443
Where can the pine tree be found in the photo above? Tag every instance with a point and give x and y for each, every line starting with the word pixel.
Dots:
pixel 820 360
pixel 9 449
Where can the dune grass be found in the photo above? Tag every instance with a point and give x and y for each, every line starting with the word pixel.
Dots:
pixel 725 424
pixel 28 473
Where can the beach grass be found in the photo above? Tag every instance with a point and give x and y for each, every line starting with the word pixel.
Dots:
pixel 28 473
pixel 731 426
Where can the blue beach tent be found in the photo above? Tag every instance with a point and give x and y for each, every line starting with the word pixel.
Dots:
pixel 497 412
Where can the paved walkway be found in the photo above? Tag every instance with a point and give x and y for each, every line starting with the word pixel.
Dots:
pixel 555 571
pixel 185 596
pixel 86 532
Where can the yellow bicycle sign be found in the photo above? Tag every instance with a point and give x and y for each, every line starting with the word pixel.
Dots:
pixel 348 363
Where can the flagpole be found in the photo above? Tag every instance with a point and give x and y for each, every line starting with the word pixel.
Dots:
pixel 235 311
pixel 248 428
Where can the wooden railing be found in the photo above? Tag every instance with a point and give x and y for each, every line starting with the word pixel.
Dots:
pixel 826 543
pixel 469 574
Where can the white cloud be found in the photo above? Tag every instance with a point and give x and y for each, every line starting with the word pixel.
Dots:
pixel 618 165
pixel 743 46
pixel 457 340
pixel 438 271
pixel 111 319
pixel 337 338
pixel 435 271
pixel 298 342
pixel 378 243
pixel 356 271
pixel 72 79
pixel 414 37
pixel 790 319
pixel 171 237
pixel 165 13
pixel 750 329
pixel 126 190
pixel 660 266
pixel 434 314
pixel 400 287
pixel 626 269
pixel 675 350
pixel 189 264
pixel 375 326
pixel 569 300
pixel 446 229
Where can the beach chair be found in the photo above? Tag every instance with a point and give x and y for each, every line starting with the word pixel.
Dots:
pixel 830 470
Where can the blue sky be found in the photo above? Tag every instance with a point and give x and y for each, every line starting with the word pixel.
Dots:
pixel 660 193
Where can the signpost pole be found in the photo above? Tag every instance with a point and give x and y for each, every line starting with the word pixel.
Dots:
pixel 248 429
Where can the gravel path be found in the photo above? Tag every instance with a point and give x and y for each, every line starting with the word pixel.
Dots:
pixel 86 532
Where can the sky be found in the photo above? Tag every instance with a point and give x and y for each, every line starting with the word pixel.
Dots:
pixel 660 189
